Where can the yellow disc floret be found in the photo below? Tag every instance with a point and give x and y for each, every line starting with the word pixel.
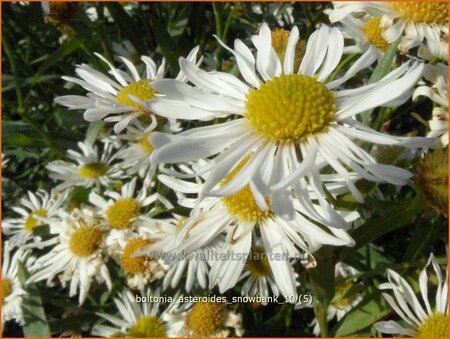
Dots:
pixel 242 205
pixel 427 12
pixel 93 170
pixel 85 240
pixel 129 261
pixel 121 213
pixel 31 222
pixel 280 39
pixel 290 108
pixel 434 326
pixel 432 180
pixel 148 327
pixel 140 90
pixel 7 288
pixel 374 33
pixel 258 264
pixel 206 318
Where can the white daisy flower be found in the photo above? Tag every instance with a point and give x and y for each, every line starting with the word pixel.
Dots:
pixel 137 319
pixel 139 268
pixel 118 99
pixel 196 265
pixel 415 22
pixel 258 275
pixel 417 321
pixel 36 209
pixel 136 155
pixel 12 291
pixel 123 212
pixel 438 93
pixel 347 295
pixel 125 50
pixel 205 319
pixel 88 168
pixel 294 124
pixel 77 256
pixel 364 29
pixel 238 215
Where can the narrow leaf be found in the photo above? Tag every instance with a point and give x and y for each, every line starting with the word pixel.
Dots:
pixel 370 310
pixel 33 313
pixel 167 45
pixel 383 68
pixel 127 26
pixel 395 217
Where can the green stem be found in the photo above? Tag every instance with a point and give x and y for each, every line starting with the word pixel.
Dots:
pixel 228 23
pixel 321 315
pixel 218 21
pixel 310 22
pixel 344 63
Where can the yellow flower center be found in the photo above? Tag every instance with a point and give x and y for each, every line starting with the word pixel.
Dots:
pixel 93 170
pixel 147 147
pixel 374 33
pixel 206 318
pixel 432 179
pixel 290 108
pixel 31 222
pixel 242 205
pixel 7 288
pixel 258 264
pixel 85 240
pixel 429 12
pixel 434 326
pixel 129 261
pixel 121 213
pixel 148 327
pixel 139 89
pixel 280 39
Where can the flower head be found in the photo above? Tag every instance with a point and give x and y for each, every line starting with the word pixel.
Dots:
pixel 421 320
pixel 118 99
pixel 285 123
pixel 88 168
pixel 77 255
pixel 422 24
pixel 12 291
pixel 36 209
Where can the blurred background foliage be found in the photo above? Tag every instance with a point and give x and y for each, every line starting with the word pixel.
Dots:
pixel 40 46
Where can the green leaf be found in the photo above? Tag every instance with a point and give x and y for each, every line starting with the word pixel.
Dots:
pixel 80 195
pixel 23 140
pixel 323 285
pixel 395 217
pixel 127 26
pixel 167 45
pixel 383 68
pixel 57 56
pixel 13 127
pixel 423 237
pixel 366 259
pixel 31 81
pixel 33 313
pixel 370 310
pixel 42 231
